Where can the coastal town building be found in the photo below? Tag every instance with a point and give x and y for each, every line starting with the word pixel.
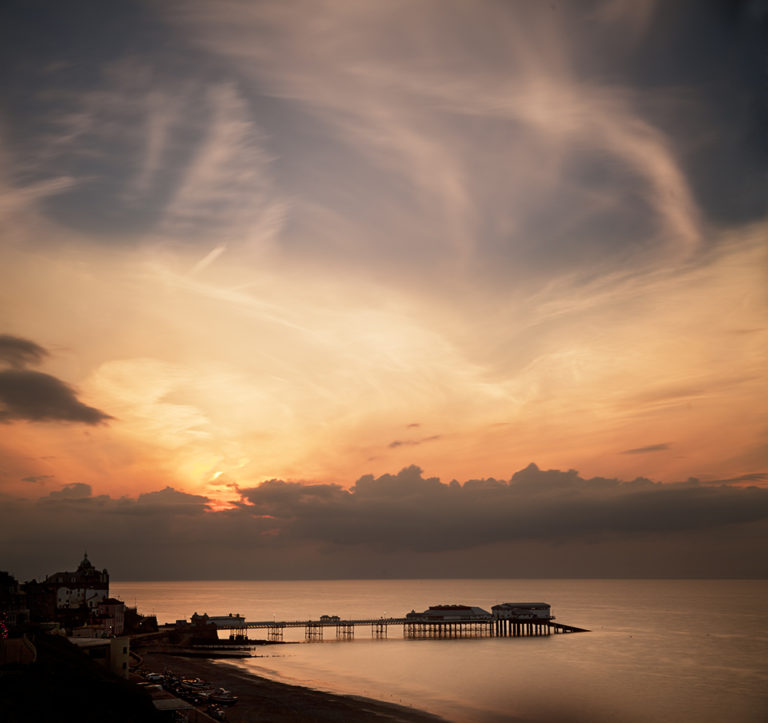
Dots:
pixel 77 602
pixel 87 586
pixel 112 653
pixel 111 613
pixel 14 610
pixel 113 618
pixel 106 621
pixel 225 621
pixel 137 623
pixel 41 600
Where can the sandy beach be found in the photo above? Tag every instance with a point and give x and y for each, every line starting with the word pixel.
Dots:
pixel 261 699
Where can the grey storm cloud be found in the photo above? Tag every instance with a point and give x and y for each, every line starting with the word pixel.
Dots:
pixel 405 524
pixel 35 396
pixel 18 352
pixel 167 502
pixel 410 512
pixel 30 395
pixel 171 500
pixel 74 491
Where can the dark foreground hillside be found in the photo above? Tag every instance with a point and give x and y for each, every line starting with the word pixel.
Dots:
pixel 64 684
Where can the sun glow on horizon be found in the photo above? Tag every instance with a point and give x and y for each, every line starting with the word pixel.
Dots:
pixel 279 254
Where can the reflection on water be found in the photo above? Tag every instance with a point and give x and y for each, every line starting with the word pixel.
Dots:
pixel 672 650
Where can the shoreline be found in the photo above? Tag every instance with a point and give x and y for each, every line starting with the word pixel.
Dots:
pixel 263 699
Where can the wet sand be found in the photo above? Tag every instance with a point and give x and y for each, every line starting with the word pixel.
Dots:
pixel 261 699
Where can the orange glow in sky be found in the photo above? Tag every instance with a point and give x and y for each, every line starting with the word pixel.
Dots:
pixel 298 251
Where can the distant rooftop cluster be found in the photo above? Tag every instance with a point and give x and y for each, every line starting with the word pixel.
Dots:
pixel 77 602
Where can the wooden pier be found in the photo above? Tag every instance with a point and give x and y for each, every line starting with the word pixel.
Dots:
pixel 413 628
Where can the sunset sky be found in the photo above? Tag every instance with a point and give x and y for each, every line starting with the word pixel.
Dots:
pixel 359 250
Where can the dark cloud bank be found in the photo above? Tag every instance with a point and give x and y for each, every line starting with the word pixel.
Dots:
pixel 33 396
pixel 537 524
pixel 18 352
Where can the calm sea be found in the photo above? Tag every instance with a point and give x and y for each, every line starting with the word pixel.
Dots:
pixel 660 650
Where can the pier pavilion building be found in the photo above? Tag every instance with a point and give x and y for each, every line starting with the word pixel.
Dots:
pixel 450 613
pixel 522 611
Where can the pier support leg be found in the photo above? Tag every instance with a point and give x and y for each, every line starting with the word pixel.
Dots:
pixel 345 631
pixel 313 633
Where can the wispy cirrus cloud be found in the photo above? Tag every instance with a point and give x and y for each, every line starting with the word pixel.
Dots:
pixel 650 448
pixel 159 156
pixel 457 133
pixel 38 478
pixel 413 442
pixel 226 187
